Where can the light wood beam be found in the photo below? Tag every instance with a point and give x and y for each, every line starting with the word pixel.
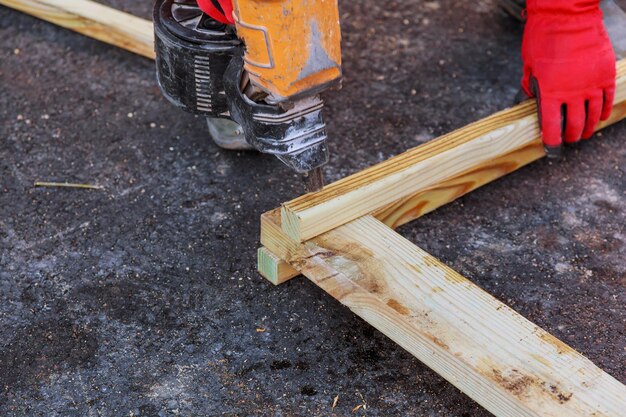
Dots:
pixel 94 20
pixel 494 355
pixel 464 160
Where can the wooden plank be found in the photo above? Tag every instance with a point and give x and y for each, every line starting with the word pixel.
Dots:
pixel 498 138
pixel 94 20
pixel 274 269
pixel 504 362
pixel 416 205
pixel 423 202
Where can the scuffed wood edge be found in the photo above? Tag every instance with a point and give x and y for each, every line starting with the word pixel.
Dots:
pixel 94 20
pixel 491 353
pixel 274 269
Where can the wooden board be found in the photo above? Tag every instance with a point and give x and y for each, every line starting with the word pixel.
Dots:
pixel 94 20
pixel 497 357
pixel 499 137
pixel 422 202
pixel 416 205
pixel 274 269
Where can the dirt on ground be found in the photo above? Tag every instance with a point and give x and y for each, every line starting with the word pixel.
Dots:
pixel 142 299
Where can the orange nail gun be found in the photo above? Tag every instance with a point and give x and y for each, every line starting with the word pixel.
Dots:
pixel 264 72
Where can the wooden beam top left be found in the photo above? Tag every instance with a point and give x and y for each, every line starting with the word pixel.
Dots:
pixel 94 20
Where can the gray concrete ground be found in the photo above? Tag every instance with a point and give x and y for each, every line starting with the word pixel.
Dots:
pixel 143 300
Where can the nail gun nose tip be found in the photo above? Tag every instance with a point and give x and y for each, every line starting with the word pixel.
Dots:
pixel 314 180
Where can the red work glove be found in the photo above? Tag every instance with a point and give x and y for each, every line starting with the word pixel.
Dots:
pixel 220 10
pixel 569 65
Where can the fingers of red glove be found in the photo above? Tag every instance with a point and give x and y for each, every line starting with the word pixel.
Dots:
pixel 607 108
pixel 574 121
pixel 227 6
pixel 594 110
pixel 551 122
pixel 209 8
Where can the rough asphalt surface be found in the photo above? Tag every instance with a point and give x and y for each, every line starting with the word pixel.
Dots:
pixel 143 299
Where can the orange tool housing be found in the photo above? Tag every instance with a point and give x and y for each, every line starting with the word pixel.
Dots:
pixel 293 47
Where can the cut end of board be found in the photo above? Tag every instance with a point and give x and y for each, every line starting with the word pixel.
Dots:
pixel 274 269
pixel 292 224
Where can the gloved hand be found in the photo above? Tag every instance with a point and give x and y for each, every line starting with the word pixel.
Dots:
pixel 220 10
pixel 569 66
